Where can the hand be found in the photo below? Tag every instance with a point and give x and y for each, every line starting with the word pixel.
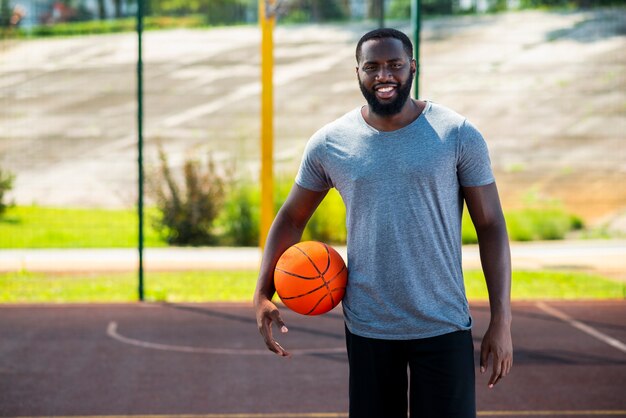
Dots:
pixel 266 314
pixel 497 341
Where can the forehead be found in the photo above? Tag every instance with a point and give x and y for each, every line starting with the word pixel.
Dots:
pixel 380 50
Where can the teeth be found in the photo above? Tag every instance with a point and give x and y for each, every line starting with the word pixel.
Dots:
pixel 385 89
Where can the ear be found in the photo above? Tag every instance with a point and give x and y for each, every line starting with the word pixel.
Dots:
pixel 413 65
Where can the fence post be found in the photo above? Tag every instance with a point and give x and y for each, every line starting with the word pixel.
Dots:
pixel 416 23
pixel 266 21
pixel 140 11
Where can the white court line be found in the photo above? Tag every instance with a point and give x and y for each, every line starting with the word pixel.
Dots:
pixel 563 413
pixel 584 328
pixel 112 332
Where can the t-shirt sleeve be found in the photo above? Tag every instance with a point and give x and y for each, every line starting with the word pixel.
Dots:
pixel 473 164
pixel 312 174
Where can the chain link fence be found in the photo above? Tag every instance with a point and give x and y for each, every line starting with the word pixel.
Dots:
pixel 546 89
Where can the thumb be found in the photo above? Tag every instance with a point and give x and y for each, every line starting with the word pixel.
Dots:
pixel 279 321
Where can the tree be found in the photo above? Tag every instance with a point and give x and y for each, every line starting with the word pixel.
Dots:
pixel 5 13
pixel 102 11
pixel 6 184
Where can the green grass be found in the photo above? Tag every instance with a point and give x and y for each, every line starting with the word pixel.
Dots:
pixel 92 27
pixel 42 227
pixel 195 286
pixel 215 286
pixel 549 285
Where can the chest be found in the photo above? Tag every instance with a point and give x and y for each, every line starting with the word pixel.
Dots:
pixel 389 162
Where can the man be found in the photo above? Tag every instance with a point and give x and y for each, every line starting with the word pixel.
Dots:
pixel 403 168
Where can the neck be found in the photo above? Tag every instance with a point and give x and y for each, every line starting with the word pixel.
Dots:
pixel 411 110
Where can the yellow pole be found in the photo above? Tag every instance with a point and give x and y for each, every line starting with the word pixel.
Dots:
pixel 267 22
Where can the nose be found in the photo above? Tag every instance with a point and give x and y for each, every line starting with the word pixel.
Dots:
pixel 384 74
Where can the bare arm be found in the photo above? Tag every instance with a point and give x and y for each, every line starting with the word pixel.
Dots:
pixel 286 230
pixel 483 204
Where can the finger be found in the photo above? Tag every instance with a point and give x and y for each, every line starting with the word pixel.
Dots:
pixel 484 358
pixel 270 342
pixel 266 331
pixel 275 347
pixel 279 321
pixel 497 372
pixel 509 366
pixel 282 352
pixel 506 362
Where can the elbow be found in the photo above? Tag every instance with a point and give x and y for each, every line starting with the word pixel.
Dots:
pixel 490 226
pixel 290 219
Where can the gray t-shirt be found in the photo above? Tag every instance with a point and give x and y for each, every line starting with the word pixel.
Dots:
pixel 402 191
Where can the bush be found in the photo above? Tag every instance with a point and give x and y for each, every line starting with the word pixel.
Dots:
pixel 6 184
pixel 239 221
pixel 541 224
pixel 468 232
pixel 187 214
pixel 328 223
pixel 530 224
pixel 306 11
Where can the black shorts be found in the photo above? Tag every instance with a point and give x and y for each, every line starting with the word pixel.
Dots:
pixel 434 377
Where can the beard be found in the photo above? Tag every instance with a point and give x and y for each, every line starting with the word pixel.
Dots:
pixel 390 108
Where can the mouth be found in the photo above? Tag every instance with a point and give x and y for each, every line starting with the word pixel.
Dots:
pixel 385 91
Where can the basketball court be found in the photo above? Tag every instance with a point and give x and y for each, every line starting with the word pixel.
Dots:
pixel 208 360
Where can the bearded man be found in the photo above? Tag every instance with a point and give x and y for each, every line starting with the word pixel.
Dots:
pixel 404 169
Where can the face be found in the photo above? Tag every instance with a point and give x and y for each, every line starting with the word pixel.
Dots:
pixel 385 74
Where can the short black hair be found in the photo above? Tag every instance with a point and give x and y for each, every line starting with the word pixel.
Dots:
pixel 383 33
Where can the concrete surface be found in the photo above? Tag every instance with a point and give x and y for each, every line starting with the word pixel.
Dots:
pixel 209 360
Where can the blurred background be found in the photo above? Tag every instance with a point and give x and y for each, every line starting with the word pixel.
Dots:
pixel 544 80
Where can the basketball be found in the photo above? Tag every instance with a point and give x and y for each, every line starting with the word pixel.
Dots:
pixel 310 278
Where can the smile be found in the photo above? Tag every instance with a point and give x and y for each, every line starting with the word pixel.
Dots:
pixel 385 91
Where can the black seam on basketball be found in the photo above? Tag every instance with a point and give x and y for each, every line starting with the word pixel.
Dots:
pixel 309 258
pixel 328 262
pixel 338 273
pixel 331 280
pixel 330 291
pixel 297 275
pixel 304 294
pixel 317 304
pixel 326 283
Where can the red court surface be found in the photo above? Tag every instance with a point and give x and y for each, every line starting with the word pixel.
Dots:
pixel 208 360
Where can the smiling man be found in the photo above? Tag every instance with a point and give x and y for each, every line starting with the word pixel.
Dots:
pixel 404 169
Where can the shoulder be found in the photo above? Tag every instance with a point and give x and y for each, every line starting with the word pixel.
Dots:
pixel 446 119
pixel 442 115
pixel 447 124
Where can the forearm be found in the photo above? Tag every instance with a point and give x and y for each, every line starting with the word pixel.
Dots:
pixel 495 256
pixel 286 230
pixel 283 234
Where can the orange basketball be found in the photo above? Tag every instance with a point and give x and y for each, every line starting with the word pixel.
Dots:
pixel 310 278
